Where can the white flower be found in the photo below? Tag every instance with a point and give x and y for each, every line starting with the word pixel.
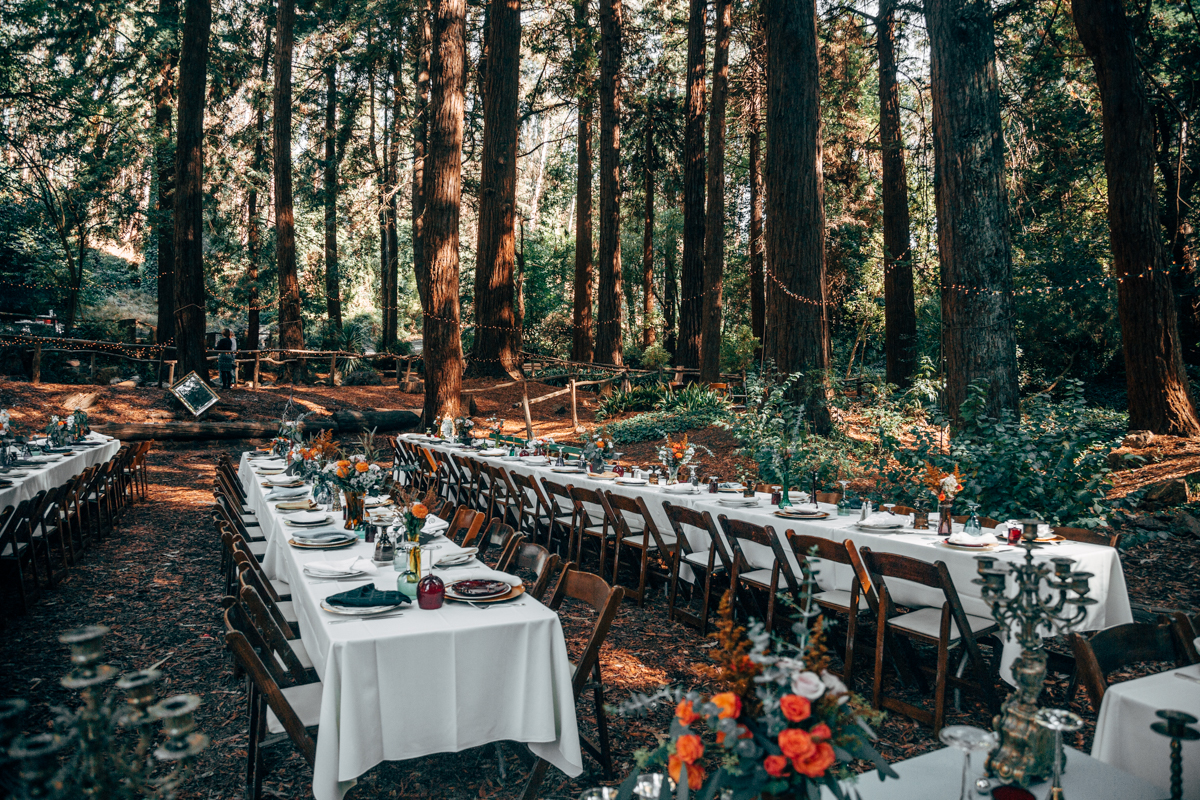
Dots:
pixel 807 685
pixel 70 423
pixel 835 685
pixel 54 420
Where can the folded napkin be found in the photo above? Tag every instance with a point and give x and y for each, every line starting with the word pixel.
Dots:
pixel 366 597
pixel 435 525
pixel 309 517
pixel 343 566
pixel 959 537
pixel 287 494
pixel 1043 529
pixel 481 572
pixel 98 437
pixel 493 451
pixel 884 520
pixel 298 505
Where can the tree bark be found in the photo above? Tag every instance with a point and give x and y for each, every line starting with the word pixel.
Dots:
pixel 608 328
pixel 691 307
pixel 497 348
pixel 648 235
pixel 392 302
pixel 670 293
pixel 714 226
pixel 164 160
pixel 1159 395
pixel 443 197
pixel 253 231
pixel 757 289
pixel 974 247
pixel 291 326
pixel 420 47
pixel 900 315
pixel 797 325
pixel 333 291
pixel 581 337
pixel 189 191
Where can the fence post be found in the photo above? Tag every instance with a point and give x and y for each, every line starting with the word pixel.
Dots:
pixel 170 373
pixel 36 367
pixel 525 408
pixel 332 370
pixel 574 412
pixel 93 368
pixel 257 356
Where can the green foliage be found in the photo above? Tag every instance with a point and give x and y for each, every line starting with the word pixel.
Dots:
pixel 653 425
pixel 738 349
pixel 655 357
pixel 638 398
pixel 693 398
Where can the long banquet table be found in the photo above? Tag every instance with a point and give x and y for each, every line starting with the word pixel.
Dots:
pixel 428 681
pixel 1107 584
pixel 56 473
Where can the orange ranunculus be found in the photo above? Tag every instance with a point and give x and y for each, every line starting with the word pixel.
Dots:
pixel 362 466
pixel 695 774
pixel 795 707
pixel 729 703
pixel 742 733
pixel 815 763
pixel 419 511
pixel 796 744
pixel 685 713
pixel 677 454
pixel 776 766
pixel 345 464
pixel 342 473
pixel 689 748
pixel 820 731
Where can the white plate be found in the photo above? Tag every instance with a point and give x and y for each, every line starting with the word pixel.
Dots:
pixel 865 527
pixel 283 480
pixel 730 502
pixel 681 488
pixel 632 481
pixel 456 559
pixel 511 458
pixel 332 576
pixel 365 611
pixel 536 461
pixel 310 517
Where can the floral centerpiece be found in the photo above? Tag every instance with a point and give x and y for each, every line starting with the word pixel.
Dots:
pixel 463 426
pixel 56 431
pixel 309 460
pixel 5 422
pixel 79 423
pixel 945 487
pixel 446 428
pixel 675 455
pixel 599 446
pixel 356 477
pixel 495 425
pixel 784 725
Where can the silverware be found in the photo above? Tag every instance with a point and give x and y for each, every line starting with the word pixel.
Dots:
pixel 364 619
pixel 1192 678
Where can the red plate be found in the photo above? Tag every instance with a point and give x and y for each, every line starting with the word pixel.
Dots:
pixel 478 588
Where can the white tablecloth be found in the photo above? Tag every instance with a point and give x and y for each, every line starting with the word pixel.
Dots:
pixel 57 473
pixel 428 681
pixel 938 776
pixel 1107 584
pixel 1123 735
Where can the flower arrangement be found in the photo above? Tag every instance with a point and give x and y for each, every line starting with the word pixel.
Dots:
pixel 356 474
pixel 413 510
pixel 495 425
pixel 675 455
pixel 56 430
pixel 783 725
pixel 463 426
pixel 6 427
pixel 309 460
pixel 599 446
pixel 79 418
pixel 446 428
pixel 945 487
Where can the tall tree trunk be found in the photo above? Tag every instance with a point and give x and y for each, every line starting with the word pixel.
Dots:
pixel 391 329
pixel 608 328
pixel 1159 396
pixel 972 205
pixel 189 191
pixel 443 199
pixel 1178 185
pixel 291 326
pixel 714 226
pixel 691 307
pixel 581 338
pixel 757 289
pixel 797 326
pixel 420 47
pixel 648 237
pixel 900 315
pixel 670 294
pixel 253 231
pixel 333 290
pixel 497 349
pixel 164 161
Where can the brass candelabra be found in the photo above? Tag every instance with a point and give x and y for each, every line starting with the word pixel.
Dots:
pixel 1026 750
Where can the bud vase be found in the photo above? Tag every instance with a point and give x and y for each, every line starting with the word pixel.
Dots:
pixel 945 519
pixel 354 510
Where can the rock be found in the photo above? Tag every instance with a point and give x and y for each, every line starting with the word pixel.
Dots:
pixel 106 376
pixel 561 410
pixel 1149 523
pixel 363 377
pixel 1138 439
pixel 126 383
pixel 1122 458
pixel 1188 524
pixel 1165 493
pixel 81 400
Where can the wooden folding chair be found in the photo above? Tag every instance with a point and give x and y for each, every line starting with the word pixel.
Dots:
pixel 497 534
pixel 605 601
pixel 533 558
pixel 746 581
pixel 465 525
pixel 1088 537
pixel 1187 628
pixel 1104 652
pixel 713 560
pixel 635 530
pixel 250 574
pixel 239 551
pixel 533 510
pixel 562 517
pixel 467 487
pixel 289 652
pixel 45 524
pixel 584 527
pixel 16 555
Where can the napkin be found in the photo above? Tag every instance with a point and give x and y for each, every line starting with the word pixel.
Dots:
pixel 298 505
pixel 309 517
pixel 493 451
pixel 282 480
pixel 435 525
pixel 884 520
pixel 323 536
pixel 481 572
pixel 343 566
pixel 366 597
pixel 98 437
pixel 959 537
pixel 287 494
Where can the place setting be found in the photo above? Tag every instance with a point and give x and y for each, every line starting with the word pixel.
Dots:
pixel 365 603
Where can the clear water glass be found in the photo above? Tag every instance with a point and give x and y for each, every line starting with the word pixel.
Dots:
pixel 968 739
pixel 973 527
pixel 843 506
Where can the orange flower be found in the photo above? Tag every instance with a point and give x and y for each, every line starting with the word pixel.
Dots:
pixel 815 763
pixel 796 744
pixel 342 472
pixel 729 703
pixel 776 766
pixel 742 731
pixel 695 774
pixel 795 707
pixel 419 511
pixel 689 748
pixel 345 464
pixel 362 466
pixel 820 731
pixel 685 713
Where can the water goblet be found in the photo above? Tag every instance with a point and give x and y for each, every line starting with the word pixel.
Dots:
pixel 968 739
pixel 693 480
pixel 973 527
pixel 889 507
pixel 843 506
pixel 1058 720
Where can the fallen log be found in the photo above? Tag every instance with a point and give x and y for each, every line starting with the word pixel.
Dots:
pixel 205 430
pixel 396 419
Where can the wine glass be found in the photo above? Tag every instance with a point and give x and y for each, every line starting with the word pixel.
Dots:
pixel 967 738
pixel 1058 720
pixel 889 507
pixel 973 526
pixel 601 793
pixel 692 479
pixel 843 506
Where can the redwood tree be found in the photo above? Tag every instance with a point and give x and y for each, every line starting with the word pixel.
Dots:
pixel 758 311
pixel 648 163
pixel 972 205
pixel 714 226
pixel 608 328
pixel 420 38
pixel 333 291
pixel 497 349
pixel 443 198
pixel 581 318
pixel 164 160
pixel 291 330
pixel 189 191
pixel 253 231
pixel 1157 385
pixel 691 305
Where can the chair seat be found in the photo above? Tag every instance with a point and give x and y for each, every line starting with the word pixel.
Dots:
pixel 758 577
pixel 282 588
pixel 635 540
pixel 8 549
pixel 249 519
pixel 301 653
pixel 598 530
pixel 305 701
pixel 839 599
pixel 258 548
pixel 288 610
pixel 927 622
pixel 700 559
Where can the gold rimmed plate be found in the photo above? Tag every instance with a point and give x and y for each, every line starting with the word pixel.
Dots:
pixel 513 593
pixel 335 545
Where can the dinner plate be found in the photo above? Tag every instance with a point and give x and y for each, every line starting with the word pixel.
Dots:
pixel 793 515
pixel 955 546
pixel 512 593
pixel 862 526
pixel 1049 539
pixel 359 611
pixel 680 488
pixel 738 502
pixel 477 589
pixel 337 545
pixel 511 458
pixel 456 559
pixel 536 461
pixel 632 481
pixel 5 484
pixel 267 472
pixel 568 470
pixel 297 505
pixel 17 473
pixel 307 525
pixel 728 489
pixel 284 480
pixel 333 576
pixel 378 503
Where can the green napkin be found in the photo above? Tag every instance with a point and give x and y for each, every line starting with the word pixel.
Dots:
pixel 367 596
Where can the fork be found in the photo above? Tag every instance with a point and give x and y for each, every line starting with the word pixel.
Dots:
pixel 364 619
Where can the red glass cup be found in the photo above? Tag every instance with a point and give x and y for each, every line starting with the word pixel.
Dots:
pixel 431 592
pixel 1014 535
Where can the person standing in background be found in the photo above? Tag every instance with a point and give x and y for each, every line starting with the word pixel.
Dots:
pixel 226 348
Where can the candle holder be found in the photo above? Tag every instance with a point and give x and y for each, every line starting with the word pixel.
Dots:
pixel 1059 721
pixel 1025 753
pixel 1175 727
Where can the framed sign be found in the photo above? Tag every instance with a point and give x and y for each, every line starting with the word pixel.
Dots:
pixel 195 394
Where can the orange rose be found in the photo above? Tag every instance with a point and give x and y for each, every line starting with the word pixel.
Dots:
pixel 795 707
pixel 729 703
pixel 345 464
pixel 419 511
pixel 362 466
pixel 341 472
pixel 815 763
pixel 685 713
pixel 796 744
pixel 742 733
pixel 820 731
pixel 695 774
pixel 776 766
pixel 689 748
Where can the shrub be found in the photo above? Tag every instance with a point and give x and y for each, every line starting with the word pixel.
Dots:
pixel 638 398
pixel 362 377
pixel 738 349
pixel 655 357
pixel 694 398
pixel 651 426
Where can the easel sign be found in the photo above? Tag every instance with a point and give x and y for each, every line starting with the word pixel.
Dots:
pixel 195 394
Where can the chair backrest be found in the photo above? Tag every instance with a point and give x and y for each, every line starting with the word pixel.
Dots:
pixel 833 498
pixel 581 495
pixel 250 573
pixel 286 667
pixel 804 547
pixel 622 506
pixel 1088 537
pixel 1186 628
pixel 500 530
pixel 465 525
pixel 935 575
pixel 1108 650
pixel 535 558
pixel 701 520
pixel 558 496
pixel 531 503
pixel 605 600
pixel 737 530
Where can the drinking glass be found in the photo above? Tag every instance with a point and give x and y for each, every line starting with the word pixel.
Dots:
pixel 889 507
pixel 968 739
pixel 843 506
pixel 693 480
pixel 973 526
pixel 1058 720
